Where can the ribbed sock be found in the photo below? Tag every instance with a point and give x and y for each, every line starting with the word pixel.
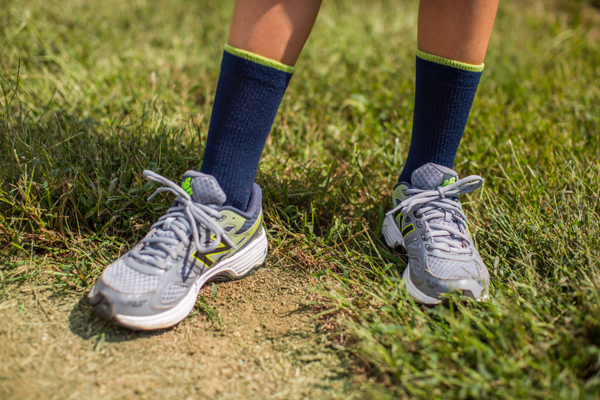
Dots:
pixel 444 93
pixel 249 92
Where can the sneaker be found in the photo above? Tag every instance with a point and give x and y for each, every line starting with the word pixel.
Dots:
pixel 198 240
pixel 427 220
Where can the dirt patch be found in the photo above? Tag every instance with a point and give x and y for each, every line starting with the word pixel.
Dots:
pixel 260 341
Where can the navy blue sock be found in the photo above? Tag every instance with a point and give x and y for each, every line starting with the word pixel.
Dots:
pixel 444 93
pixel 248 95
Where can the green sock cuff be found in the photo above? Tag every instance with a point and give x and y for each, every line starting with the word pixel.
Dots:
pixel 449 63
pixel 267 62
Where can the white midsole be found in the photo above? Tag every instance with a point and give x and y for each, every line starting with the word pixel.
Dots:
pixel 237 265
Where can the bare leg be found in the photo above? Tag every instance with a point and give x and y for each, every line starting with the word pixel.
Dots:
pixel 456 29
pixel 275 29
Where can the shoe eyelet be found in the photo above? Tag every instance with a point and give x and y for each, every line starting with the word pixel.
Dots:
pixel 222 218
pixel 404 192
pixel 428 247
pixel 423 237
pixel 419 224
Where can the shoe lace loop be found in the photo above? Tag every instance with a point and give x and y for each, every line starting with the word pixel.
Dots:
pixel 438 205
pixel 184 217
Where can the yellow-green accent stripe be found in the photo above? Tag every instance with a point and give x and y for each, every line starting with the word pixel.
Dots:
pixel 259 59
pixel 450 63
pixel 409 228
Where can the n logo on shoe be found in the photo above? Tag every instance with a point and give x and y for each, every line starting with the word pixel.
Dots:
pixel 408 229
pixel 449 181
pixel 187 186
pixel 209 259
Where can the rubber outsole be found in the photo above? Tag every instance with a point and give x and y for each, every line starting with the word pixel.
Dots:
pixel 240 265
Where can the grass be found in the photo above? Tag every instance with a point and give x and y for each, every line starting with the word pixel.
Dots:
pixel 95 92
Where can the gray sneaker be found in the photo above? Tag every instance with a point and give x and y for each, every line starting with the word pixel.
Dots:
pixel 427 219
pixel 198 240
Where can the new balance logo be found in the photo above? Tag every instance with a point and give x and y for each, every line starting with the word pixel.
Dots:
pixel 209 259
pixel 449 181
pixel 187 186
pixel 407 229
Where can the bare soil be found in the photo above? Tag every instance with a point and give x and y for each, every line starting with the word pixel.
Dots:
pixel 261 342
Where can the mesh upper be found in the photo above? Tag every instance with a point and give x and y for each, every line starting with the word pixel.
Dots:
pixel 159 233
pixel 414 245
pixel 442 221
pixel 124 279
pixel 451 269
pixel 173 292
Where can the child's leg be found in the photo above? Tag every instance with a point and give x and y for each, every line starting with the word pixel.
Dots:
pixel 265 41
pixel 452 40
pixel 273 29
pixel 200 238
pixel 457 30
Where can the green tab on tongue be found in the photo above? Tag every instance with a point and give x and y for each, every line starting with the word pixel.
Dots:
pixel 448 181
pixel 187 185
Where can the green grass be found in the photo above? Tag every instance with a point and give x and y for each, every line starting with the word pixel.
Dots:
pixel 95 92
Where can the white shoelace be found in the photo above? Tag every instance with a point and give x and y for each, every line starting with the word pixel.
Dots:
pixel 439 204
pixel 180 219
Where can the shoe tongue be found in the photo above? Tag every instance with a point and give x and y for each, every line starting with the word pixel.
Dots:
pixel 203 188
pixel 430 176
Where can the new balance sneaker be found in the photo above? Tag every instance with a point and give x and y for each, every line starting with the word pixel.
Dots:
pixel 198 240
pixel 427 219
